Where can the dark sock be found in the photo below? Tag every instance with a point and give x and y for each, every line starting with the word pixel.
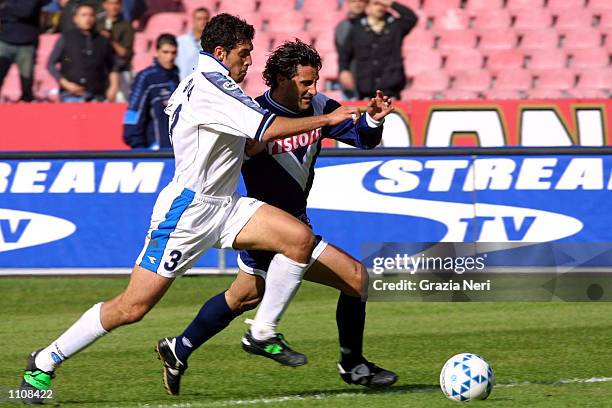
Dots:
pixel 213 317
pixel 350 318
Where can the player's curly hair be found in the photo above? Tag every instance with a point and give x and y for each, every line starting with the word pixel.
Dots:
pixel 285 59
pixel 226 31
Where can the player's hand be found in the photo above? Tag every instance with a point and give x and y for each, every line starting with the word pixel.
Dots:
pixel 253 147
pixel 71 87
pixel 341 114
pixel 380 106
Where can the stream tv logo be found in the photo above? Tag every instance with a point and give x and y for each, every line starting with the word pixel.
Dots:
pixel 21 229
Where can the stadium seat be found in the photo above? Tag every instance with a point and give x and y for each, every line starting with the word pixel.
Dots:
pixel 572 19
pixel 531 19
pixel 319 5
pixel 323 41
pixel 589 58
pixel 605 19
pixel 11 88
pixel 491 20
pixel 475 81
pixel 46 42
pixel 277 7
pixel 431 81
pixel 559 79
pixel 413 4
pixel 595 79
pixel 317 21
pixel 239 7
pixel 456 40
pixel 585 38
pixel 434 7
pixel 493 40
pixel 546 94
pixel 504 60
pixel 290 22
pixel 141 61
pixel 588 93
pixel 451 19
pixel 418 39
pixel 535 40
pixel 553 58
pixel 513 5
pixel 414 95
pixel 513 80
pixel 503 94
pixel 457 94
pixel 142 43
pixel 329 69
pixel 175 23
pixel 418 61
pixel 484 5
pixel 463 60
pixel 565 4
pixel 600 4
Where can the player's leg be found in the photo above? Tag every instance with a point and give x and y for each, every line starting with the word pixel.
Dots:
pixel 143 291
pixel 336 268
pixel 214 316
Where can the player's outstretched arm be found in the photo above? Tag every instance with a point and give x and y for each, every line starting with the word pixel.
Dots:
pixel 285 127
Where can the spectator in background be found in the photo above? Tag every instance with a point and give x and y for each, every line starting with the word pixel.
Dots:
pixel 19 30
pixel 375 44
pixel 68 10
pixel 355 13
pixel 145 124
pixel 189 44
pixel 133 9
pixel 86 61
pixel 121 36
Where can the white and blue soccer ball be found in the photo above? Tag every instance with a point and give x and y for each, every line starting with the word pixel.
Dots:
pixel 466 377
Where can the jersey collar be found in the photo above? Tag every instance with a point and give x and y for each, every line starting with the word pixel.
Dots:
pixel 268 96
pixel 208 63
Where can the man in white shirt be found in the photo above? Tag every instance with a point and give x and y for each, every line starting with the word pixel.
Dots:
pixel 189 44
pixel 210 121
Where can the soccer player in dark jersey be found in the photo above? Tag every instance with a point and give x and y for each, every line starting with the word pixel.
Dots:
pixel 281 173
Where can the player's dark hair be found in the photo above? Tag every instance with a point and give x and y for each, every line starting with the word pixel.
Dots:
pixel 285 59
pixel 165 38
pixel 226 31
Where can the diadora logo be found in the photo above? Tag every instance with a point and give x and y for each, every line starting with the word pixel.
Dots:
pixel 448 194
pixel 292 143
pixel 20 229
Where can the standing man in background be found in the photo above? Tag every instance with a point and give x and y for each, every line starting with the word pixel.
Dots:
pixel 145 124
pixel 375 44
pixel 356 12
pixel 19 30
pixel 189 44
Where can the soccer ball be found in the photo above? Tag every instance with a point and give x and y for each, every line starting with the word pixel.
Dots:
pixel 466 377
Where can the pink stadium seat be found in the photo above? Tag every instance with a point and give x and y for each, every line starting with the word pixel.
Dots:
pixel 174 23
pixel 11 88
pixel 419 61
pixel 414 95
pixel 463 60
pixel 291 22
pixel 586 38
pixel 329 69
pixel 460 95
pixel 531 19
pixel 413 4
pixel 505 60
pixel 323 41
pixel 600 4
pixel 605 19
pixel 484 5
pixel 46 42
pixel 513 5
pixel 553 58
pixel 476 81
pixel 565 4
pixel 317 21
pixel 141 61
pixel 142 43
pixel 546 94
pixel 595 79
pixel 535 40
pixel 588 93
pixel 493 40
pixel 438 6
pixel 451 19
pixel 589 58
pixel 492 19
pixel 572 19
pixel 239 7
pixel 279 38
pixel 503 94
pixel 276 7
pixel 513 80
pixel 456 40
pixel 432 81
pixel 560 79
pixel 418 39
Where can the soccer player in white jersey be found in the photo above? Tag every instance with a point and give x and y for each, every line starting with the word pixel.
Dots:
pixel 210 120
pixel 281 174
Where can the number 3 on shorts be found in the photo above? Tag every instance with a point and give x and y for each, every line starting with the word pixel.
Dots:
pixel 175 257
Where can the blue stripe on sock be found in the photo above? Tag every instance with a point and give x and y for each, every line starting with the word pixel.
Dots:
pixel 159 237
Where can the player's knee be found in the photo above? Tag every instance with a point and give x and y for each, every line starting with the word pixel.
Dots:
pixel 358 284
pixel 301 246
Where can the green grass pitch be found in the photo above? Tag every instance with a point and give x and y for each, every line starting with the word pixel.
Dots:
pixel 541 352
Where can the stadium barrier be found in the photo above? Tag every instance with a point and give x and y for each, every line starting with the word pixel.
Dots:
pixel 561 122
pixel 88 212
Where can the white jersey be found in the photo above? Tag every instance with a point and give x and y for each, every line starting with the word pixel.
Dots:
pixel 210 117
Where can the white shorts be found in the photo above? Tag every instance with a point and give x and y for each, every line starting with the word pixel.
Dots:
pixel 257 262
pixel 185 224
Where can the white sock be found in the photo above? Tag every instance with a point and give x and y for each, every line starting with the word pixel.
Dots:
pixel 80 335
pixel 282 281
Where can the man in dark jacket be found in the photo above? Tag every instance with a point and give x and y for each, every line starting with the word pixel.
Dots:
pixel 145 124
pixel 356 11
pixel 375 43
pixel 86 61
pixel 19 31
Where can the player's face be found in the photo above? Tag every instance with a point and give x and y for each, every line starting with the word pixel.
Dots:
pixel 238 60
pixel 85 18
pixel 298 91
pixel 166 54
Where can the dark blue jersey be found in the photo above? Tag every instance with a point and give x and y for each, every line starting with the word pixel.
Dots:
pixel 282 174
pixel 145 123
